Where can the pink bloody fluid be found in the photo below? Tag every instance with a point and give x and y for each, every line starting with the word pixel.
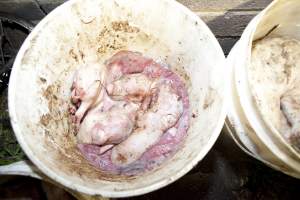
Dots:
pixel 170 141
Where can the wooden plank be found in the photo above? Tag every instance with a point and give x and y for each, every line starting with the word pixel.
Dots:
pixel 195 5
pixel 226 25
pixel 221 5
pixel 223 24
pixel 230 23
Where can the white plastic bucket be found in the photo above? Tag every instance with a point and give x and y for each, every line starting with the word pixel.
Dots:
pixel 42 75
pixel 284 16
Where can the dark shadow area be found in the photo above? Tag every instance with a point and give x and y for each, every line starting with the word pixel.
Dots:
pixel 225 173
pixel 17 188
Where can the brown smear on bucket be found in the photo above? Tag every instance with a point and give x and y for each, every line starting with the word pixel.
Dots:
pixel 210 98
pixel 62 144
pixel 116 35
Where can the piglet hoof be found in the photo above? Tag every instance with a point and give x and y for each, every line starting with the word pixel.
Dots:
pixel 72 109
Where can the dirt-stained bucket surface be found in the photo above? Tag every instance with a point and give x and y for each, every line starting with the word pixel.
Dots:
pixel 42 76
